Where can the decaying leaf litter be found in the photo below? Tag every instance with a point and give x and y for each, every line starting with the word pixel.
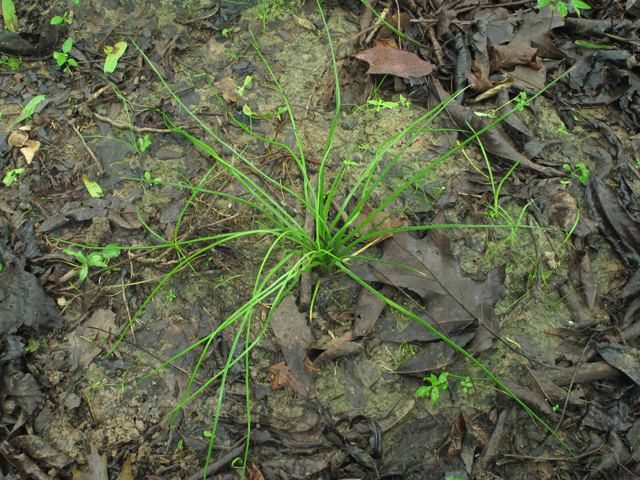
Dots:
pixel 332 393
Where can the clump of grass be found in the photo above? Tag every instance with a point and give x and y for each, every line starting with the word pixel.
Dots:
pixel 330 248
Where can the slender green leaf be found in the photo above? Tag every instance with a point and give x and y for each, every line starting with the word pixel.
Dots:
pixel 10 17
pixel 113 55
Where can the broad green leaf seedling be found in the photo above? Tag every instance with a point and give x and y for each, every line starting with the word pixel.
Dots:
pixel 94 259
pixel 581 168
pixel 562 7
pixel 63 57
pixel 11 176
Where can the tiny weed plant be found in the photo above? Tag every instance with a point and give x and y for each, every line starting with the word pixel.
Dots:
pixel 171 296
pixel 181 448
pixel 144 142
pixel 12 176
pixel 67 19
pixel 581 172
pixel 562 7
pixel 227 32
pixel 247 82
pixel 63 57
pixel 433 391
pixel 12 62
pixel 337 240
pixel 94 259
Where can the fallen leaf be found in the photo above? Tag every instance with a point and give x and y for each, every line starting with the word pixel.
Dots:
pixel 40 450
pixel 428 268
pixel 97 467
pixel 458 432
pixel 614 222
pixel 504 57
pixel 292 331
pixel 398 23
pixel 492 142
pixel 93 188
pixel 282 377
pixel 493 90
pixel 380 222
pixel 385 59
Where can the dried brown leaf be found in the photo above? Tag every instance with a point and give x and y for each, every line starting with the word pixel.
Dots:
pixel 504 57
pixel 282 377
pixel 385 59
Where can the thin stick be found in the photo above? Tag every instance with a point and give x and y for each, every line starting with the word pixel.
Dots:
pixel 378 23
pixel 95 159
pixel 126 306
pixel 566 400
pixel 128 126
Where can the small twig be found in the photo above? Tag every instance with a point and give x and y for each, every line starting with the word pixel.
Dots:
pixel 552 459
pixel 566 400
pixel 378 23
pixel 126 306
pixel 538 290
pixel 229 457
pixel 129 126
pixel 496 5
pixel 329 63
pixel 95 159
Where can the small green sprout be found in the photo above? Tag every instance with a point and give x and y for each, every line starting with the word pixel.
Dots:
pixel 67 19
pixel 581 168
pixel 247 81
pixel 12 62
pixel 433 390
pixel 63 57
pixel 94 259
pixel 171 296
pixel 144 143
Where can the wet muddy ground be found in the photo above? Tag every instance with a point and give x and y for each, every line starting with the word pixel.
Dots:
pixel 554 293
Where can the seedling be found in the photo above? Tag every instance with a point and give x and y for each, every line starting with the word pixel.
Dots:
pixel 94 259
pixel 433 391
pixel 331 247
pixel 144 142
pixel 246 83
pixel 33 345
pixel 181 448
pixel 170 296
pixel 12 62
pixel 113 55
pixel 63 57
pixel 249 113
pixel 562 7
pixel 229 31
pixel 11 176
pixel 562 130
pixel 581 168
pixel 67 19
